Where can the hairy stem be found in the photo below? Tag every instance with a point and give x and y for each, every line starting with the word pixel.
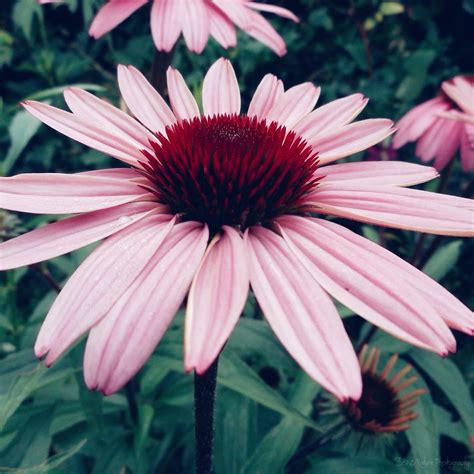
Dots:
pixel 204 398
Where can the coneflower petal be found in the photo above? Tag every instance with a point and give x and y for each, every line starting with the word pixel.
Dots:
pixel 182 100
pixel 269 91
pixel 216 300
pixel 56 193
pixel 301 314
pixel 98 283
pixel 70 234
pixel 372 289
pixel 121 342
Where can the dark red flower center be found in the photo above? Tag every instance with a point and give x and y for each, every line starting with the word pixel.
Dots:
pixel 230 170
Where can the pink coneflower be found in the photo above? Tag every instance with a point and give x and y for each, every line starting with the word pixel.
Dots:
pixel 197 20
pixel 212 202
pixel 442 125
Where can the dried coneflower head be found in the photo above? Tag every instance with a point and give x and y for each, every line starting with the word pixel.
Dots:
pixel 383 407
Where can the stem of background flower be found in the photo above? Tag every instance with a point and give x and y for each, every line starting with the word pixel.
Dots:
pixel 419 260
pixel 161 62
pixel 204 398
pixel 44 273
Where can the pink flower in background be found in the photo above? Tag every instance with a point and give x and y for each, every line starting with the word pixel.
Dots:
pixel 210 204
pixel 442 125
pixel 197 20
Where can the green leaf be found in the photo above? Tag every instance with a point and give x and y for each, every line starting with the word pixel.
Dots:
pixel 443 260
pixel 22 129
pixel 19 390
pixel 52 463
pixel 423 437
pixel 356 465
pixel 235 374
pixel 286 435
pixel 236 426
pixel 54 91
pixel 448 427
pixel 24 12
pixel 449 380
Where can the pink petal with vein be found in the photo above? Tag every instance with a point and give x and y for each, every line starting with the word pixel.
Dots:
pixel 301 314
pixel 70 234
pixel 143 100
pixel 98 283
pixel 331 116
pixel 351 139
pixel 413 124
pixel 461 90
pixel 216 300
pixel 195 24
pixel 467 148
pixel 283 12
pixel 386 173
pixel 55 193
pixel 364 282
pixel 121 343
pixel 294 104
pixel 220 90
pixel 112 14
pixel 397 207
pixel 221 28
pixel 182 100
pixel 88 107
pixel 261 29
pixel 269 91
pixel 165 23
pixel 97 137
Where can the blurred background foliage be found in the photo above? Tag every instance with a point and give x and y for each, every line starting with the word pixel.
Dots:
pixel 268 414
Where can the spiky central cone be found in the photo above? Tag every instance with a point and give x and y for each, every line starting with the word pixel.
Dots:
pixel 378 402
pixel 231 170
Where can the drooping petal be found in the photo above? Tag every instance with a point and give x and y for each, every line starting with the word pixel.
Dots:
pixel 268 92
pixel 216 300
pixel 261 29
pixel 461 90
pixel 283 12
pixel 220 90
pixel 413 124
pixel 235 11
pixel 467 147
pixel 351 139
pixel 120 344
pixel 70 234
pixel 112 14
pixel 331 116
pixel 301 314
pixel 81 130
pixel 383 173
pixel 165 22
pixel 440 141
pixel 85 105
pixel 182 100
pixel 397 207
pixel 56 193
pixel 366 283
pixel 294 104
pixel 98 283
pixel 195 24
pixel 221 28
pixel 143 100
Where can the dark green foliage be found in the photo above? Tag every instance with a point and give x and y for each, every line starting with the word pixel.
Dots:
pixel 267 409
